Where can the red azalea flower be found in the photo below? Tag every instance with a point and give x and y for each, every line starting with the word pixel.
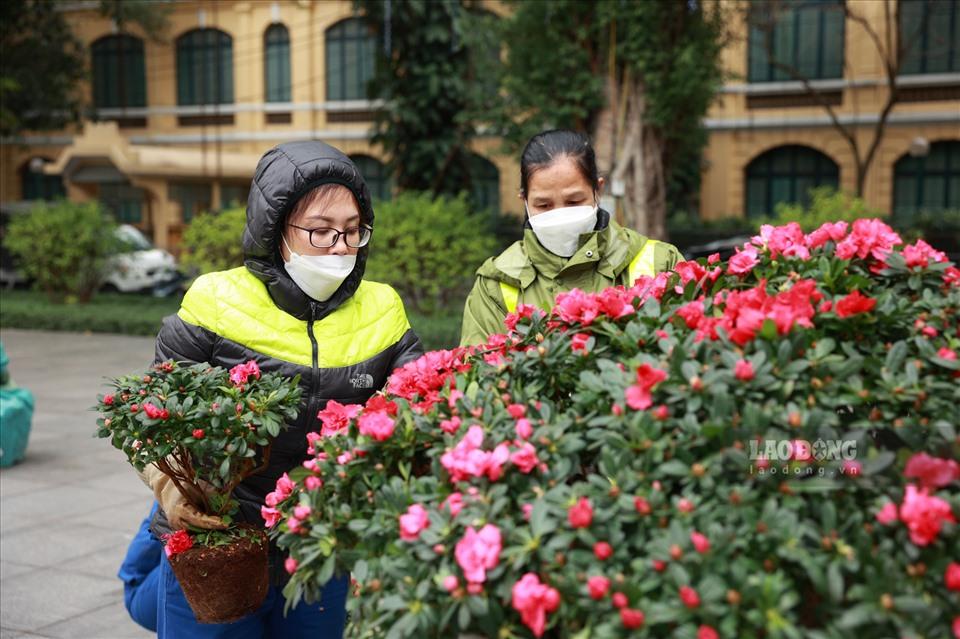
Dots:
pixel 689 597
pixel 580 514
pixel 602 550
pixel 707 632
pixel 631 618
pixel 198 433
pixel 177 542
pixel 951 576
pixel 598 587
pixel 855 303
pixel 579 342
pixel 380 404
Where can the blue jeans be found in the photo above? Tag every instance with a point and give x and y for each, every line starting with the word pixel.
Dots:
pixel 140 573
pixel 325 620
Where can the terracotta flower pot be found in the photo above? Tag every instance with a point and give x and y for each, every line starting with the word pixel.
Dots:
pixel 224 583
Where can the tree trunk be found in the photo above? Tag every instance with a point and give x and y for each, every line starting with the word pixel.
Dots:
pixel 639 165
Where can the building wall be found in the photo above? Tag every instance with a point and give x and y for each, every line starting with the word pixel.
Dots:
pixel 311 115
pixel 738 133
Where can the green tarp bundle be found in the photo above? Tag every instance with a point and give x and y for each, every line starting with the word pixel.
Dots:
pixel 16 410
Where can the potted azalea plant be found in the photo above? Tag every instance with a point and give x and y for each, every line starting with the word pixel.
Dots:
pixel 207 429
pixel 760 447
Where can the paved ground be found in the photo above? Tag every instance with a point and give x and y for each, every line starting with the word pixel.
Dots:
pixel 69 509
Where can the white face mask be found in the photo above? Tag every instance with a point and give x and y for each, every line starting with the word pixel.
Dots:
pixel 319 276
pixel 559 230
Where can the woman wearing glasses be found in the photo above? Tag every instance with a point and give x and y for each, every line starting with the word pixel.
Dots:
pixel 299 305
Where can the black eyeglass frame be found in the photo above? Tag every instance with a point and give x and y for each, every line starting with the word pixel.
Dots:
pixel 337 234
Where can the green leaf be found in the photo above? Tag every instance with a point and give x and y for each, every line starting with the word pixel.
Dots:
pixel 835 582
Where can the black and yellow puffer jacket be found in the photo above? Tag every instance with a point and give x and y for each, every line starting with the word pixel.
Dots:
pixel 343 349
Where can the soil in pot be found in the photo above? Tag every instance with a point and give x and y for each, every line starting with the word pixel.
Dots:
pixel 224 583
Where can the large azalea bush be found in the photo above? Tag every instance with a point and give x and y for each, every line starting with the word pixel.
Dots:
pixel 763 447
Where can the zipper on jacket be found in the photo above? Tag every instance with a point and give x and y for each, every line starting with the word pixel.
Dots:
pixel 315 373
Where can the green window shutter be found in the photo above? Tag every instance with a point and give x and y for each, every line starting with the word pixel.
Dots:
pixel 277 63
pixel 204 67
pixel 485 185
pixel 350 51
pixel 931 33
pixel 375 174
pixel 785 175
pixel 808 35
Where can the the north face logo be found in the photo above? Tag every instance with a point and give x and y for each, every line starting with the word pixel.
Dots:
pixel 364 380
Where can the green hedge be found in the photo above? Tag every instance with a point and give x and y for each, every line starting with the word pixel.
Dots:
pixel 105 313
pixel 142 315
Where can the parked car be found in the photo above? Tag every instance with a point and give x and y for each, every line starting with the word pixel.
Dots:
pixel 140 268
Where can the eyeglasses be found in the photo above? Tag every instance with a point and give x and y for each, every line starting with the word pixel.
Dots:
pixel 355 236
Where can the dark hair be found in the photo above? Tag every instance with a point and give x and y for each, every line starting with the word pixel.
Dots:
pixel 545 148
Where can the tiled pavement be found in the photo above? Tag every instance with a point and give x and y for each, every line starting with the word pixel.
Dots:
pixel 68 511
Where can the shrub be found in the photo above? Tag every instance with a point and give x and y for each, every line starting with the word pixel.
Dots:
pixel 63 247
pixel 428 249
pixel 213 241
pixel 125 313
pixel 826 205
pixel 759 448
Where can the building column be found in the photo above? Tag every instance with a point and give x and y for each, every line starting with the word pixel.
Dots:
pixel 161 210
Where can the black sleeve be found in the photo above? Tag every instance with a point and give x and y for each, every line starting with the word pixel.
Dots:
pixel 406 350
pixel 183 342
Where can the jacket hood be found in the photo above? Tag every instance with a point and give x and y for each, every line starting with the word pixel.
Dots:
pixel 283 175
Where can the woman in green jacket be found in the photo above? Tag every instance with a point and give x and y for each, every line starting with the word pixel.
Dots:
pixel 568 240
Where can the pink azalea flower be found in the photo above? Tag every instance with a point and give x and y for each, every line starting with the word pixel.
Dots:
pixel 336 417
pixel 291 565
pixel 523 428
pixel 478 552
pixel 313 483
pixel 743 370
pixel 377 425
pixel 450 426
pixel 700 542
pixel 921 254
pixel 533 600
pixel 932 472
pixel 888 514
pixel 924 515
pixel 744 261
pixel 869 238
pixel 525 458
pixel 450 583
pixel 413 521
pixel 270 516
pixel 828 232
pixel 454 503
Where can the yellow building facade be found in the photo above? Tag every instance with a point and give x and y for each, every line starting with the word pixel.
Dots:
pixel 179 122
pixel 769 141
